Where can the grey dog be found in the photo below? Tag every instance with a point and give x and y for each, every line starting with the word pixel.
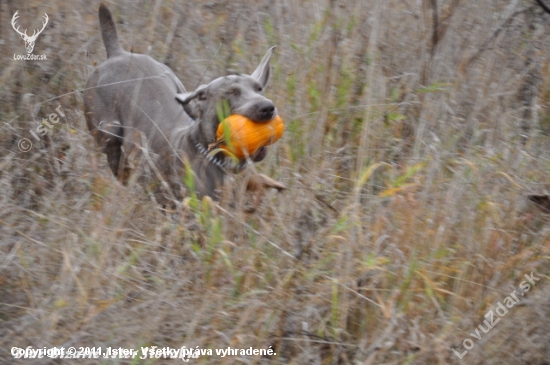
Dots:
pixel 138 110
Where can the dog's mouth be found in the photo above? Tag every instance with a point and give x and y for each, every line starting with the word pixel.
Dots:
pixel 259 155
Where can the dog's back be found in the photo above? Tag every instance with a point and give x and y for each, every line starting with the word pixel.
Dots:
pixel 129 94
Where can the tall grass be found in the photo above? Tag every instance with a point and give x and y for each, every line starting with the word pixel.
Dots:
pixel 411 143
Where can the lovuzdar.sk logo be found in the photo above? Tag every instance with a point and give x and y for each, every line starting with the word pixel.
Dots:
pixel 29 40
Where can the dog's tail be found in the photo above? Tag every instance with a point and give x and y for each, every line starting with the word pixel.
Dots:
pixel 108 32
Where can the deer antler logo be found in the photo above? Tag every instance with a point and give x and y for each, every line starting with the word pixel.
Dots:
pixel 29 41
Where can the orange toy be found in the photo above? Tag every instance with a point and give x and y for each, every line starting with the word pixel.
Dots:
pixel 247 136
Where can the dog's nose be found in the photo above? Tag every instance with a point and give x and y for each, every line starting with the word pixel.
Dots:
pixel 267 112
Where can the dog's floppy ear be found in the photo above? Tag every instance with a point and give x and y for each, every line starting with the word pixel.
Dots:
pixel 263 71
pixel 185 100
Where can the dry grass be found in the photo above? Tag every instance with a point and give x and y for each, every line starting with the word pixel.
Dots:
pixel 408 156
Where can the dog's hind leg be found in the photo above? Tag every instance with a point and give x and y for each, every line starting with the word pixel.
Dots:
pixel 109 137
pixel 131 156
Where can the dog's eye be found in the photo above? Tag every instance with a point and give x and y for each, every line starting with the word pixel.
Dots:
pixel 259 89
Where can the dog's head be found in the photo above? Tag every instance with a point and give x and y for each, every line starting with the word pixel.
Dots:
pixel 243 94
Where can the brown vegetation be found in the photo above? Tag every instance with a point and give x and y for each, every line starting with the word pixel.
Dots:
pixel 415 130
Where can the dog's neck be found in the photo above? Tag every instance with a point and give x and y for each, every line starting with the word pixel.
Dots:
pixel 221 162
pixel 200 147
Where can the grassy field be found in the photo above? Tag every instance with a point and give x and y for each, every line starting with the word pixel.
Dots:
pixel 415 130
